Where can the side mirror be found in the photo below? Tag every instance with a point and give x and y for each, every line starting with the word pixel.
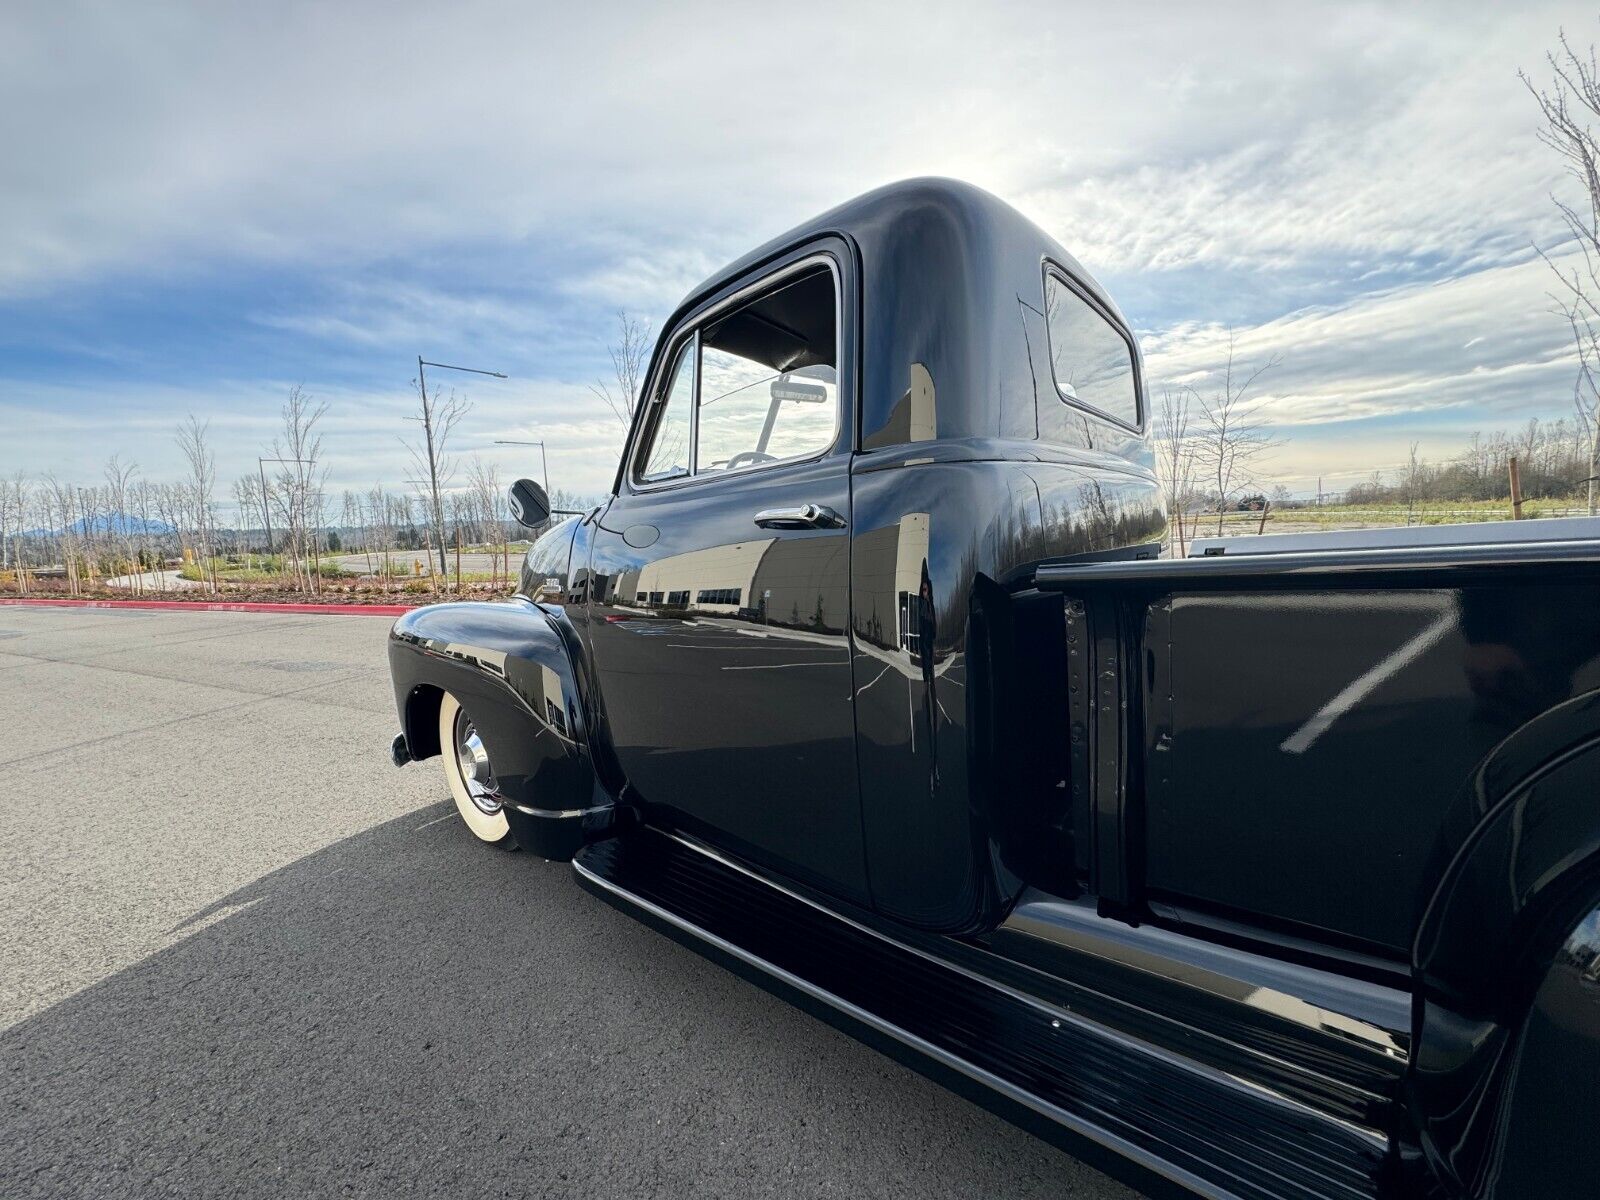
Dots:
pixel 529 504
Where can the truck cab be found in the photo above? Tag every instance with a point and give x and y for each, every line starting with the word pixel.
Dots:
pixel 820 483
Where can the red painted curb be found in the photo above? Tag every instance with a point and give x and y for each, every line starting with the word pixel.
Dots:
pixel 347 610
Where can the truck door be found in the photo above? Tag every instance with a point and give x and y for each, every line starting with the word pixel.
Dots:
pixel 721 580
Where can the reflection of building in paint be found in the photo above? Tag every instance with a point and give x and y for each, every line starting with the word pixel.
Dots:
pixel 888 574
pixel 554 702
pixel 716 579
pixel 915 416
pixel 798 581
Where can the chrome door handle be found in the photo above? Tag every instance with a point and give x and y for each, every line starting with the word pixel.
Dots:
pixel 802 516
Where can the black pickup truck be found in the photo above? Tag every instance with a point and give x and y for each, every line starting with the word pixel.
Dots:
pixel 1250 874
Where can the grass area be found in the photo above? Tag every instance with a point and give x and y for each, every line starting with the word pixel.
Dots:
pixel 258 568
pixel 270 570
pixel 1358 516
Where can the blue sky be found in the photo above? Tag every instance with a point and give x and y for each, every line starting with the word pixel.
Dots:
pixel 204 205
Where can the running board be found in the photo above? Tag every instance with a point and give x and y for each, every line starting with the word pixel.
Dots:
pixel 1104 1097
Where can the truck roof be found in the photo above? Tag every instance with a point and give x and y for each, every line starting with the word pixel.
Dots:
pixel 930 199
pixel 952 321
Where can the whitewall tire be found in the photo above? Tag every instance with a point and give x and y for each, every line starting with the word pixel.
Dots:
pixel 466 768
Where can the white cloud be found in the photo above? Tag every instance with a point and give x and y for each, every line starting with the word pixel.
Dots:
pixel 617 154
pixel 336 132
pixel 1404 350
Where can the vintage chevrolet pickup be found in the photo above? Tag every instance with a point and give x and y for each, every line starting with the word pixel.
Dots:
pixel 1251 874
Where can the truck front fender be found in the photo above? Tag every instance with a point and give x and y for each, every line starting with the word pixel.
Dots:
pixel 515 671
pixel 1496 935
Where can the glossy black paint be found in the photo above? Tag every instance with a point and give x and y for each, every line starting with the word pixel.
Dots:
pixel 1344 747
pixel 933 820
pixel 546 572
pixel 1202 806
pixel 734 719
pixel 1505 1028
pixel 1544 1123
pixel 1407 763
pixel 511 667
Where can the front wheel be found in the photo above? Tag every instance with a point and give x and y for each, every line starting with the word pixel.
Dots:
pixel 471 779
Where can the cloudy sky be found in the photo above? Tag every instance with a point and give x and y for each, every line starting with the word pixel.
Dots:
pixel 203 205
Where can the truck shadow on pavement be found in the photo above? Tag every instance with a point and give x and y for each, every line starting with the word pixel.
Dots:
pixel 408 1013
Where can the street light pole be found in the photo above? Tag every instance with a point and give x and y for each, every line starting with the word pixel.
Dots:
pixel 427 434
pixel 266 515
pixel 543 461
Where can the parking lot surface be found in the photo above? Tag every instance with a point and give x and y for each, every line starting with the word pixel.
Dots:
pixel 244 956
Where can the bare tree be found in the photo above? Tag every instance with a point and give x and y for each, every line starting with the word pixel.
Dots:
pixel 297 488
pixel 119 485
pixel 193 441
pixel 61 512
pixel 489 499
pixel 435 468
pixel 354 521
pixel 169 505
pixel 1415 468
pixel 1569 105
pixel 1175 458
pixel 1232 435
pixel 460 514
pixel 247 499
pixel 629 354
pixel 88 530
pixel 15 494
pixel 404 518
pixel 149 556
pixel 380 516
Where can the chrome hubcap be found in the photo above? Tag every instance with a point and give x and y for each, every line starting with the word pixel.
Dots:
pixel 472 760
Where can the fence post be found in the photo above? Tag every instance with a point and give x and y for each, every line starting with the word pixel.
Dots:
pixel 1516 489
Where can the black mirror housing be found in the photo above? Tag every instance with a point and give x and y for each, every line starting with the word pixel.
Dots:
pixel 529 504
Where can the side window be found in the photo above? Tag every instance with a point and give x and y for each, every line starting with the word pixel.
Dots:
pixel 769 385
pixel 1092 361
pixel 669 436
pixel 762 381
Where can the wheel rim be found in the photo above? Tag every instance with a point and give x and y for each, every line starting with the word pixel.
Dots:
pixel 472 760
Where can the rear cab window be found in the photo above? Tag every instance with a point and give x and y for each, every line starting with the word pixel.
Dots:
pixel 1090 357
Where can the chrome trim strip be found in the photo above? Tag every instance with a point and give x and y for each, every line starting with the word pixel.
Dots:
pixel 1332 563
pixel 555 814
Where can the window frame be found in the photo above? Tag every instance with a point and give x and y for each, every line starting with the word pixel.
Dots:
pixel 656 411
pixel 1054 270
pixel 687 337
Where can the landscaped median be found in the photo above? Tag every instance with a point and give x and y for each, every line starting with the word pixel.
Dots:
pixel 343 607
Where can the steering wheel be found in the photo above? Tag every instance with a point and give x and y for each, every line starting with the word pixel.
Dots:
pixel 747 457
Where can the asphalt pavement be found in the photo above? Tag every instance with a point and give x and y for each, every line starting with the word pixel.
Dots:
pixel 243 956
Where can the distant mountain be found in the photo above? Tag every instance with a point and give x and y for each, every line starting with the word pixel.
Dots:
pixel 121 524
